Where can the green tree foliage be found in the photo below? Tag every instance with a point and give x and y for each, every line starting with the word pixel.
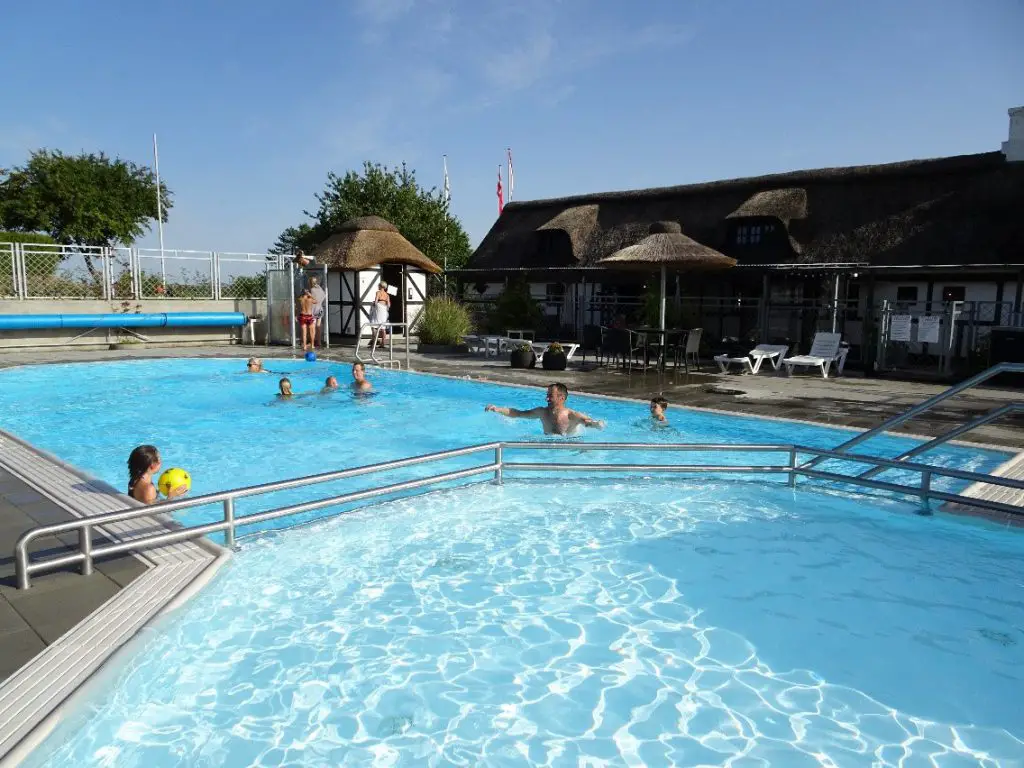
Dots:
pixel 84 199
pixel 41 263
pixel 421 215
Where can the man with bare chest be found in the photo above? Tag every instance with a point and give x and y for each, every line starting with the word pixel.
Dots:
pixel 556 418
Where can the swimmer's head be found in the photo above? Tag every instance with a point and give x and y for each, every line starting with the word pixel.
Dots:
pixel 658 407
pixel 143 459
pixel 285 386
pixel 558 393
pixel 331 383
pixel 254 364
pixel 358 371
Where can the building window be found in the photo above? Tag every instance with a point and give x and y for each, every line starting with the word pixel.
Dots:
pixel 906 294
pixel 954 293
pixel 752 234
pixel 554 292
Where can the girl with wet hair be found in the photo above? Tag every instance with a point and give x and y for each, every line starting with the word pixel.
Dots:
pixel 143 463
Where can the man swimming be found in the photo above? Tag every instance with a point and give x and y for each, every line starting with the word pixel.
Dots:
pixel 330 385
pixel 255 365
pixel 658 407
pixel 359 381
pixel 556 418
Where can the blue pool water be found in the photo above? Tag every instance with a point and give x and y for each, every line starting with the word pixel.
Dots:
pixel 613 621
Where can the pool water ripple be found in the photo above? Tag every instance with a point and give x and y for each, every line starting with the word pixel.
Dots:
pixel 494 626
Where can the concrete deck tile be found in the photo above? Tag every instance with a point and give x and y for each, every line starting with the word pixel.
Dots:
pixel 17 649
pixel 10 619
pixel 122 570
pixel 23 496
pixel 46 512
pixel 52 612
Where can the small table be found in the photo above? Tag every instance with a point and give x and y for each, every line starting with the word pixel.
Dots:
pixel 663 336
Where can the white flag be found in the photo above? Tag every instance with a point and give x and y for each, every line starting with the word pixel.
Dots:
pixel 446 192
pixel 511 178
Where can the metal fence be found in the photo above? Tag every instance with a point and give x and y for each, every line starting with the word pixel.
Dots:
pixel 41 271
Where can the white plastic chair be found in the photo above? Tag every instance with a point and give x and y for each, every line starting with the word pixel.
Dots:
pixel 753 361
pixel 825 350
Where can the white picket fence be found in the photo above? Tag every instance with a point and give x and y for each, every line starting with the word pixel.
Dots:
pixel 40 271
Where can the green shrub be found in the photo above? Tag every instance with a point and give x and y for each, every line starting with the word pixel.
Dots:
pixel 515 308
pixel 443 321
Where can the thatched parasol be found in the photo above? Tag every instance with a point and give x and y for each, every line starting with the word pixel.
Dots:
pixel 666 247
pixel 367 242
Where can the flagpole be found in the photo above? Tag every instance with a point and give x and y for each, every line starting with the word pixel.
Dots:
pixel 444 230
pixel 511 186
pixel 159 213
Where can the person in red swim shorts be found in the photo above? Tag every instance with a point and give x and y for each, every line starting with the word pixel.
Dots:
pixel 306 320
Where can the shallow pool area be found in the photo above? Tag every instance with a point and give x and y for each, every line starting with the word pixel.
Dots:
pixel 546 621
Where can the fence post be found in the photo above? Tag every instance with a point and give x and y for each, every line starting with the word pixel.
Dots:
pixel 135 271
pixel 792 467
pixel 19 289
pixel 499 460
pixel 214 276
pixel 926 488
pixel 106 274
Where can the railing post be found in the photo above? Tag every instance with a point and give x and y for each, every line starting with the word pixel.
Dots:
pixel 21 566
pixel 926 488
pixel 498 479
pixel 792 467
pixel 85 545
pixel 229 518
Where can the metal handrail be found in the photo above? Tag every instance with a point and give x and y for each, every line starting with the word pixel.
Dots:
pixel 375 329
pixel 24 569
pixel 926 405
pixel 945 437
pixel 85 526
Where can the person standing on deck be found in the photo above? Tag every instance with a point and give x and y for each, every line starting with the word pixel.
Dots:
pixel 320 297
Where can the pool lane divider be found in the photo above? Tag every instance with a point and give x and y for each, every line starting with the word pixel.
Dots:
pixel 35 698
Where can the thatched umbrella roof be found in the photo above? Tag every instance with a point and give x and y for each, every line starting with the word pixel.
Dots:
pixel 667 246
pixel 368 241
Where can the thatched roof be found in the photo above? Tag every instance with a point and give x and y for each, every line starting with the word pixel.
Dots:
pixel 667 245
pixel 782 204
pixel 366 242
pixel 908 212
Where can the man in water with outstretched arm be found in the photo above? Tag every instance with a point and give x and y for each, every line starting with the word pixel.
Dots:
pixel 556 418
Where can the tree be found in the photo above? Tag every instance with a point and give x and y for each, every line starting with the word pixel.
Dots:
pixel 421 215
pixel 81 200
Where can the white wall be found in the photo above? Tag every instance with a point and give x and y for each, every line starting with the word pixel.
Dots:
pixel 103 337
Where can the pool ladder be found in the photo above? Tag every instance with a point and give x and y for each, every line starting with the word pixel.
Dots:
pixel 389 328
pixel 927 405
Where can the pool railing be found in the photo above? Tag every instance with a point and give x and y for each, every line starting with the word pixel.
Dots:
pixel 497 466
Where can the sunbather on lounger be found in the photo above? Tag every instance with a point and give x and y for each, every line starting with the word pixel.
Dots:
pixel 557 419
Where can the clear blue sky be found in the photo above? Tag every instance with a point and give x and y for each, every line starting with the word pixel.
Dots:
pixel 255 101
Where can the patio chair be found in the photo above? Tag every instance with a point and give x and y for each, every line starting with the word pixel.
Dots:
pixel 476 345
pixel 620 344
pixel 593 338
pixel 752 361
pixel 826 349
pixel 690 349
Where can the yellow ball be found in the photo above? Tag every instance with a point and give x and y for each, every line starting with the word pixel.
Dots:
pixel 173 478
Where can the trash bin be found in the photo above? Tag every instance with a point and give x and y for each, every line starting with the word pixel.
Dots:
pixel 1006 345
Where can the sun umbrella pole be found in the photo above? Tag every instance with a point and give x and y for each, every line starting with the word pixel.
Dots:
pixel 661 316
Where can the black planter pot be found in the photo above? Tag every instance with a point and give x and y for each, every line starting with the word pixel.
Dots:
pixel 523 358
pixel 554 361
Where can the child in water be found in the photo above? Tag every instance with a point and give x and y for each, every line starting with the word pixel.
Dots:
pixel 658 407
pixel 284 388
pixel 143 463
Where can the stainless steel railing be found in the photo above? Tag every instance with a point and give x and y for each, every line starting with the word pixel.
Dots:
pixel 926 405
pixel 230 521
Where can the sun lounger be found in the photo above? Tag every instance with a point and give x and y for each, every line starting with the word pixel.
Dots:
pixel 751 363
pixel 477 346
pixel 825 350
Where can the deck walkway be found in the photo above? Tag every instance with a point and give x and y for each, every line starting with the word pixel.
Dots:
pixel 56 634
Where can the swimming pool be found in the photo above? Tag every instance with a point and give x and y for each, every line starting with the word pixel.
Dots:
pixel 640 622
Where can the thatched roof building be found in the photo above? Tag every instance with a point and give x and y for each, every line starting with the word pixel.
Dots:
pixel 962 210
pixel 368 241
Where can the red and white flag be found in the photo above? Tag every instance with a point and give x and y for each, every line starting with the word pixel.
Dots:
pixel 511 178
pixel 501 198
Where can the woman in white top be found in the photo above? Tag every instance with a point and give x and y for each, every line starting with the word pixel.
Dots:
pixel 381 309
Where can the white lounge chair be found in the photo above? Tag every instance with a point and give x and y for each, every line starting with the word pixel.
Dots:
pixel 825 350
pixel 751 363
